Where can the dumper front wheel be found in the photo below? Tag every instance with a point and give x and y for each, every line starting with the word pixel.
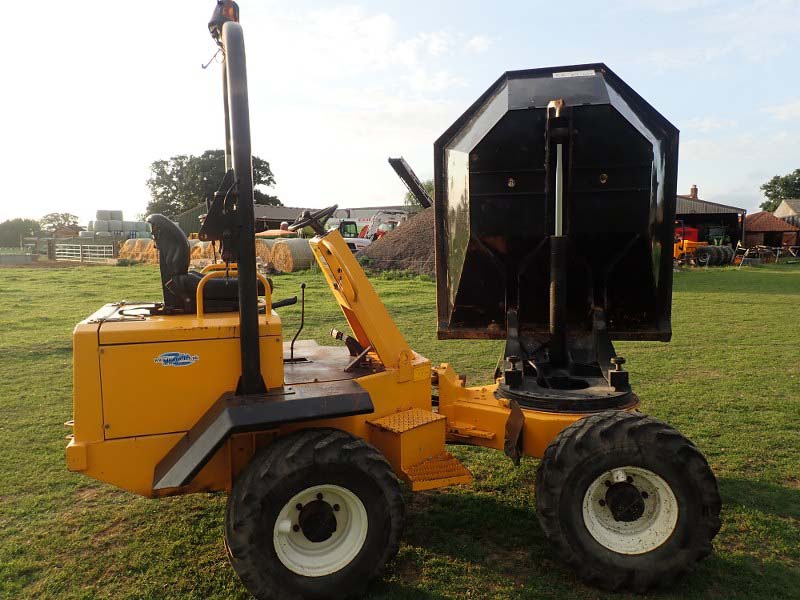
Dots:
pixel 627 500
pixel 315 515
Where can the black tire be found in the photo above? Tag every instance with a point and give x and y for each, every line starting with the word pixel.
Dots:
pixel 598 445
pixel 719 255
pixel 275 475
pixel 728 254
pixel 702 256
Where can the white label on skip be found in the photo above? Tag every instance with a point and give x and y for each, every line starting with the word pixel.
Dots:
pixel 588 73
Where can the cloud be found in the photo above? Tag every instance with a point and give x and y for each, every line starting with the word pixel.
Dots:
pixel 789 111
pixel 675 6
pixel 479 44
pixel 706 125
pixel 754 32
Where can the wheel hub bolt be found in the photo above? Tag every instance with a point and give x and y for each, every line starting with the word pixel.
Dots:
pixel 299 506
pixel 336 507
pixel 295 528
pixel 319 496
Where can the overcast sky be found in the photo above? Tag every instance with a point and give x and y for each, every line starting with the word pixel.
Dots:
pixel 95 91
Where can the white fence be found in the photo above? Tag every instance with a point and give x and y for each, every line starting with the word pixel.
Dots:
pixel 81 253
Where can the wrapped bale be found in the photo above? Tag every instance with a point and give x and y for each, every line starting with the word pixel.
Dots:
pixel 292 255
pixel 90 227
pixel 100 225
pixel 114 225
pixel 115 215
pixel 128 226
pixel 103 215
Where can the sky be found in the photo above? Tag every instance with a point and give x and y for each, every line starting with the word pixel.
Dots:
pixel 94 92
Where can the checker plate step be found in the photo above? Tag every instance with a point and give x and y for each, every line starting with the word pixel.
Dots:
pixel 406 420
pixel 438 471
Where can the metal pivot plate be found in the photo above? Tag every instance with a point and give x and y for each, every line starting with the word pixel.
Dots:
pixel 630 510
pixel 320 530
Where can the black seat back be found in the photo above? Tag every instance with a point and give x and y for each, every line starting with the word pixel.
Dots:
pixel 173 247
pixel 178 283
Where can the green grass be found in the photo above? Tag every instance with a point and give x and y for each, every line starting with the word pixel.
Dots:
pixel 730 380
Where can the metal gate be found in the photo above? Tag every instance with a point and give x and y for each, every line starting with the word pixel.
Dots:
pixel 84 253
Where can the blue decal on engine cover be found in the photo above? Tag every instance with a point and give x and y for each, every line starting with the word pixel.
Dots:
pixel 176 359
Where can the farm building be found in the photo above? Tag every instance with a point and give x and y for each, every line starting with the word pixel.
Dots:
pixel 712 219
pixel 267 217
pixel 789 211
pixel 764 229
pixel 271 217
pixel 189 221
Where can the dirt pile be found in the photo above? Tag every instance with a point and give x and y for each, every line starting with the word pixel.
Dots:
pixel 409 247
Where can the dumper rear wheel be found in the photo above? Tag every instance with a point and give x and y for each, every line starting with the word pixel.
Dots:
pixel 316 514
pixel 628 501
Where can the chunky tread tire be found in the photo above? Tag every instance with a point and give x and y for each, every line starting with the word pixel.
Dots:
pixel 593 445
pixel 702 256
pixel 287 466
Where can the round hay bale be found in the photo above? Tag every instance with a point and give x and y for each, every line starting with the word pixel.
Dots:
pixel 127 249
pixel 151 255
pixel 211 251
pixel 292 255
pixel 198 250
pixel 263 251
pixel 141 245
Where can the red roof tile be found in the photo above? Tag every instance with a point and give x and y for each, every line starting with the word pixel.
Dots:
pixel 764 221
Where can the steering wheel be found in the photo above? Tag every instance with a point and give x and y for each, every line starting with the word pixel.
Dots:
pixel 314 220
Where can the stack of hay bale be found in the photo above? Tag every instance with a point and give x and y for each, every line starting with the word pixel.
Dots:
pixel 109 223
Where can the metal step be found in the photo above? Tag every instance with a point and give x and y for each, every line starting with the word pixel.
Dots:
pixel 438 471
pixel 413 441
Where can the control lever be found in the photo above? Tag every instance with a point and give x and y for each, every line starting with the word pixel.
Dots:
pixel 302 319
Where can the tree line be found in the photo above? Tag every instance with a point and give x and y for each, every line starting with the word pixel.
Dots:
pixel 181 182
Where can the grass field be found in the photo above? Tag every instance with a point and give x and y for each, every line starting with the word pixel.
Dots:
pixel 730 381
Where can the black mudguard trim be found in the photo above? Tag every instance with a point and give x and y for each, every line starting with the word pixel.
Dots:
pixel 240 414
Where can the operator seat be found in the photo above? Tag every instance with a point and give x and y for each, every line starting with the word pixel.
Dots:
pixel 179 283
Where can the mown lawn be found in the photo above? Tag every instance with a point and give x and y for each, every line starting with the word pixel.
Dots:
pixel 730 380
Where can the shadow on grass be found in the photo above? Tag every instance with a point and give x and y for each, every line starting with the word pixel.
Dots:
pixel 778 500
pixel 488 530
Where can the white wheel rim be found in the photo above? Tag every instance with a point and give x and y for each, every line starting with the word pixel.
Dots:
pixel 649 530
pixel 310 558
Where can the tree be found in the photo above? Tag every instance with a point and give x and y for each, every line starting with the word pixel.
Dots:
pixel 12 230
pixel 53 221
pixel 184 181
pixel 780 188
pixel 411 200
